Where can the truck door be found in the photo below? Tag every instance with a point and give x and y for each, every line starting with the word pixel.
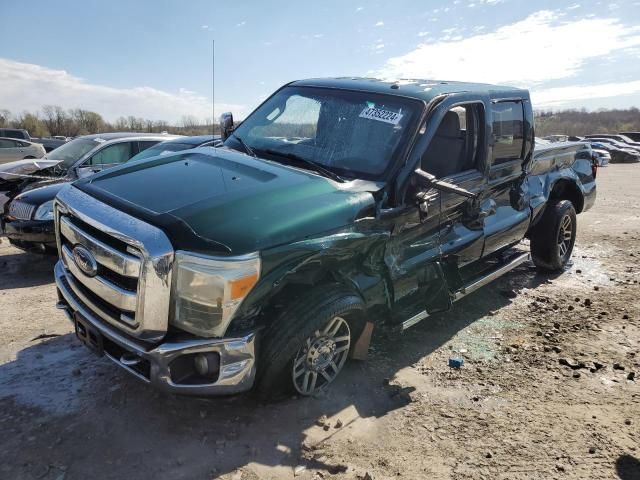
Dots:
pixel 507 211
pixel 456 155
pixel 443 229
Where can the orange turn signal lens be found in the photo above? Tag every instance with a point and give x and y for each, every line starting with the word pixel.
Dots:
pixel 241 286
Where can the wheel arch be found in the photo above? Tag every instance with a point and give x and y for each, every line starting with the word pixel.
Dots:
pixel 566 189
pixel 355 266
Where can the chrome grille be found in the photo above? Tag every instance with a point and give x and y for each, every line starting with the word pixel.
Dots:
pixel 21 210
pixel 131 288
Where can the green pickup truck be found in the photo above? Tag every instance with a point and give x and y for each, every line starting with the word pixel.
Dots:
pixel 338 206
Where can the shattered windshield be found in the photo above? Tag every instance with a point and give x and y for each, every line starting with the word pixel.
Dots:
pixel 72 151
pixel 354 134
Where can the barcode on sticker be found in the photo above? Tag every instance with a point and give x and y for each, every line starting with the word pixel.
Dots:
pixel 381 115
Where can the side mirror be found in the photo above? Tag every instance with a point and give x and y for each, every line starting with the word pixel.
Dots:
pixel 226 125
pixel 430 181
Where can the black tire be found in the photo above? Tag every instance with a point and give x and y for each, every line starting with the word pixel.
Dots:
pixel 551 243
pixel 284 338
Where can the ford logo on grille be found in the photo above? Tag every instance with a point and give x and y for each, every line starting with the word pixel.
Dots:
pixel 85 261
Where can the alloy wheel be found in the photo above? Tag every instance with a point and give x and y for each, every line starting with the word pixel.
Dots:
pixel 321 357
pixel 565 236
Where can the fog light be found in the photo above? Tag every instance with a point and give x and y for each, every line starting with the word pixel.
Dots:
pixel 201 364
pixel 195 368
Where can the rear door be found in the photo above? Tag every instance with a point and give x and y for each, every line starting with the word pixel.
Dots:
pixel 10 151
pixel 507 211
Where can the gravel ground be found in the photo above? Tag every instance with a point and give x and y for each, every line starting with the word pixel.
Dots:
pixel 549 388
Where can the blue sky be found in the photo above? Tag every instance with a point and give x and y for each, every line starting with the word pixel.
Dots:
pixel 153 59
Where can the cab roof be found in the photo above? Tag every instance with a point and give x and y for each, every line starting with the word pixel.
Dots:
pixel 420 89
pixel 194 139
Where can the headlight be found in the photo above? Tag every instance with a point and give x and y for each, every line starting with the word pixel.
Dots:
pixel 208 291
pixel 44 211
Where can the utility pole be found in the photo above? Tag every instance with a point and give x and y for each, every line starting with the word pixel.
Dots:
pixel 213 89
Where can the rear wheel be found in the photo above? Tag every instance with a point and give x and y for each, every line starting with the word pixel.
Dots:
pixel 554 236
pixel 306 347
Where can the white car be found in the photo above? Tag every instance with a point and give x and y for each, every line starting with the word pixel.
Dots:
pixel 12 149
pixel 602 156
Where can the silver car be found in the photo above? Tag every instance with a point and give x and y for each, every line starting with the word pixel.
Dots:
pixel 12 149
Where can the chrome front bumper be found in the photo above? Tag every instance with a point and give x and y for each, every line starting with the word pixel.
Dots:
pixel 237 355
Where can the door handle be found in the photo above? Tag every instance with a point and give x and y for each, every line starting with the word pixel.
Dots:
pixel 487 210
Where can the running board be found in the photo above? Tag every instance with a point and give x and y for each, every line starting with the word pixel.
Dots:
pixel 413 320
pixel 490 277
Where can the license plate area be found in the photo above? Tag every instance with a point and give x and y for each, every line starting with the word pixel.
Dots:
pixel 88 335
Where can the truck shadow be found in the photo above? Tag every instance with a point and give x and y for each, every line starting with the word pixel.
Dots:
pixel 628 468
pixel 65 410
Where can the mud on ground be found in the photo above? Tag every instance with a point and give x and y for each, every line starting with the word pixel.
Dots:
pixel 549 387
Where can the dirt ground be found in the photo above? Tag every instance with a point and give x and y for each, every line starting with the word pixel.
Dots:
pixel 547 389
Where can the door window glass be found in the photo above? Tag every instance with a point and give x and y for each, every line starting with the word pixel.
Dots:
pixel 456 146
pixel 508 132
pixel 113 154
pixel 7 144
pixel 146 144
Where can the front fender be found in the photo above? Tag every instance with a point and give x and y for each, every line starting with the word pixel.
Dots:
pixel 353 258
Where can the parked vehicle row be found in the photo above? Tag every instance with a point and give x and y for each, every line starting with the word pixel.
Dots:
pixel 619 148
pixel 31 187
pixel 336 207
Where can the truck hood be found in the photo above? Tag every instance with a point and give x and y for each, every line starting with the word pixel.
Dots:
pixel 227 201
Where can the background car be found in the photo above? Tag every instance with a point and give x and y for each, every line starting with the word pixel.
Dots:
pixel 618 138
pixel 602 157
pixel 19 133
pixel 619 152
pixel 617 143
pixel 28 215
pixel 12 150
pixel 635 136
pixel 178 144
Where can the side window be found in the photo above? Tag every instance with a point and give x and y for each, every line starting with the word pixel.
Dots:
pixel 7 144
pixel 113 154
pixel 146 144
pixel 508 132
pixel 456 146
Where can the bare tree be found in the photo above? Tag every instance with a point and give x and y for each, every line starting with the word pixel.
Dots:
pixel 5 115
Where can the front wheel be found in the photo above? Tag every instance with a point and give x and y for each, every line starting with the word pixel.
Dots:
pixel 307 346
pixel 554 236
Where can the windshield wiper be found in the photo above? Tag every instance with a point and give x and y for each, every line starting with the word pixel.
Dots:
pixel 246 147
pixel 315 166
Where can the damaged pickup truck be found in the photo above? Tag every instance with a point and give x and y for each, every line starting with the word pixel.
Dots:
pixel 338 206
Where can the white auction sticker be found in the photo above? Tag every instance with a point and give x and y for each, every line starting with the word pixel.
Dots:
pixel 381 115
